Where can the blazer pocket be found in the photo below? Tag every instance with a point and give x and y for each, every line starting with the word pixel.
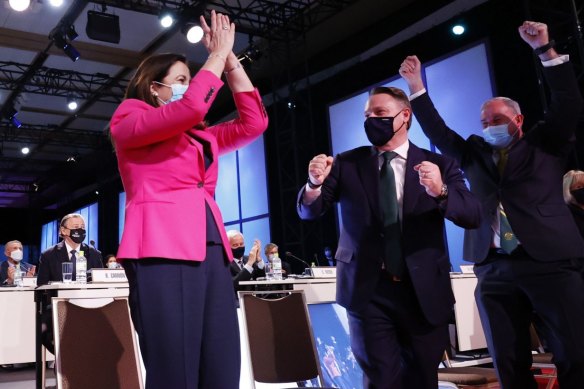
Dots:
pixel 344 255
pixel 547 210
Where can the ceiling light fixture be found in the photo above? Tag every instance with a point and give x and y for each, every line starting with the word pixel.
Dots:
pixel 25 150
pixel 458 29
pixel 166 19
pixel 72 103
pixel 56 3
pixel 19 5
pixel 194 32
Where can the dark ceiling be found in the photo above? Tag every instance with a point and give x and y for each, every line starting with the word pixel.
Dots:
pixel 70 153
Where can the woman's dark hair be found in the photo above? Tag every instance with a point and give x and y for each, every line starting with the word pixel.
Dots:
pixel 106 259
pixel 153 68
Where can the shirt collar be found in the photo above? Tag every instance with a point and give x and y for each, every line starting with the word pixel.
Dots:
pixel 69 248
pixel 401 150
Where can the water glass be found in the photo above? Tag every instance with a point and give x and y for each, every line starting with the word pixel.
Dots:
pixel 269 271
pixel 67 268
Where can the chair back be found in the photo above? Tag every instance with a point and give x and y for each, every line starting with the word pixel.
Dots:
pixel 279 337
pixel 95 345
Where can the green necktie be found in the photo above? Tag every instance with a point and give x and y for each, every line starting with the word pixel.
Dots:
pixel 390 216
pixel 503 157
pixel 508 241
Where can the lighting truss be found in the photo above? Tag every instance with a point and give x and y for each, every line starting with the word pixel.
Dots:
pixel 276 20
pixel 52 135
pixel 16 187
pixel 57 82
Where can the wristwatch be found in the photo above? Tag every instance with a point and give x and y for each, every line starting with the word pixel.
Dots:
pixel 311 185
pixel 443 192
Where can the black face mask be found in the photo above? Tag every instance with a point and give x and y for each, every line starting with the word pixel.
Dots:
pixel 380 130
pixel 77 235
pixel 238 252
pixel 578 195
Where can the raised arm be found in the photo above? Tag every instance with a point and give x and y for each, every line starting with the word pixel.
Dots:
pixel 434 127
pixel 138 124
pixel 561 119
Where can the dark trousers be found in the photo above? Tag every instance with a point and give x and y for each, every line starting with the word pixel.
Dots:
pixel 510 290
pixel 392 341
pixel 185 316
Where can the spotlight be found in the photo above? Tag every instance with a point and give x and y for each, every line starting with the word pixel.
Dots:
pixel 194 33
pixel 56 3
pixel 35 186
pixel 19 5
pixel 58 36
pixel 71 103
pixel 11 115
pixel 458 29
pixel 70 32
pixel 166 19
pixel 25 150
pixel 251 54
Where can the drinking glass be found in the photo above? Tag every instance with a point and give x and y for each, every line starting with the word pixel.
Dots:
pixel 67 268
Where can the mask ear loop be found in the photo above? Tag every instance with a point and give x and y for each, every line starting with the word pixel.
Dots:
pixel 404 122
pixel 155 94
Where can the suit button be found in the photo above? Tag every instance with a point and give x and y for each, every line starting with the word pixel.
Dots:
pixel 200 184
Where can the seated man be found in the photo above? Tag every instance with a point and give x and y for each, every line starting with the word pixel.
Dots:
pixel 270 250
pixel 244 267
pixel 14 254
pixel 73 232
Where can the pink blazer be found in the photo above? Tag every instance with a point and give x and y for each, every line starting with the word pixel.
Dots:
pixel 163 171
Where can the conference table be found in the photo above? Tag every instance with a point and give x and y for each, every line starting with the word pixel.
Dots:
pixel 17 325
pixel 316 290
pixel 22 308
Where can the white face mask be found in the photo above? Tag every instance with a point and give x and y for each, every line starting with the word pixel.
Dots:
pixel 498 136
pixel 178 90
pixel 112 265
pixel 16 255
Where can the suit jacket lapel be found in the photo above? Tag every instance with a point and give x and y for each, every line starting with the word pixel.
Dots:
pixel 369 174
pixel 486 154
pixel 412 187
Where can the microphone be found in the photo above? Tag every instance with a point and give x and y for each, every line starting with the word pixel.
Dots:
pixel 290 255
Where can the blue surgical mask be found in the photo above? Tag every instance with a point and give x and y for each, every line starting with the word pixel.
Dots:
pixel 178 90
pixel 498 136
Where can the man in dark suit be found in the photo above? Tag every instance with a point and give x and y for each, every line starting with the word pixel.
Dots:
pixel 526 249
pixel 271 249
pixel 392 260
pixel 72 230
pixel 14 254
pixel 244 267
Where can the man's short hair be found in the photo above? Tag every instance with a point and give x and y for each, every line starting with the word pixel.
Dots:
pixel 514 105
pixel 269 247
pixel 233 234
pixel 397 94
pixel 10 242
pixel 71 216
pixel 67 217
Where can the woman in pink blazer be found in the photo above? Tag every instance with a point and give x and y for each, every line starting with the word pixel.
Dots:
pixel 174 247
